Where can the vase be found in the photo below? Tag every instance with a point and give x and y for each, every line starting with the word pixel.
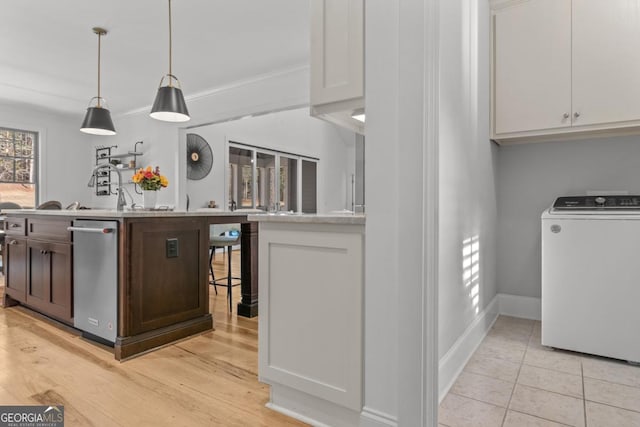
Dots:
pixel 149 198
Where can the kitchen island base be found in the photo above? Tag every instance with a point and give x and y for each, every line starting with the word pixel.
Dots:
pixel 7 301
pixel 162 271
pixel 126 347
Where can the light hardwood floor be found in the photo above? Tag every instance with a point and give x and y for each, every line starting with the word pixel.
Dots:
pixel 207 380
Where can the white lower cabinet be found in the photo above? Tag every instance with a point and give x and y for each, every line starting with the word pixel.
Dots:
pixel 310 334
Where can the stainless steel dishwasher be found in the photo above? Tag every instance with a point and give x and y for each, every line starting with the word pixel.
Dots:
pixel 95 278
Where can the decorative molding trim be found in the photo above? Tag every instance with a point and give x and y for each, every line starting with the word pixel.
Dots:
pixel 263 111
pixel 519 306
pixel 311 410
pixel 240 83
pixel 231 86
pixel 135 345
pixel 503 4
pixel 452 363
pixel 295 415
pixel 372 418
pixel 430 161
pixel 417 120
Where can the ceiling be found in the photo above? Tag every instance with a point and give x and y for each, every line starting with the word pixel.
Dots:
pixel 48 52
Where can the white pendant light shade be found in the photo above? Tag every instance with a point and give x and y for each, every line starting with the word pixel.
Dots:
pixel 97 120
pixel 358 115
pixel 169 105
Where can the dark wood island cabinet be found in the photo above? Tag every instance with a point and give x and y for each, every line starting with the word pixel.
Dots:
pixel 162 296
pixel 38 264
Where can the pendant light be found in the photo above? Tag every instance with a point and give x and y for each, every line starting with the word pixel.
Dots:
pixel 97 121
pixel 358 115
pixel 169 105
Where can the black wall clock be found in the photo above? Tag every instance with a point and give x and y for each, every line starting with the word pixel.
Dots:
pixel 199 157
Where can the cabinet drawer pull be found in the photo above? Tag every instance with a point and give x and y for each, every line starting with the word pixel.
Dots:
pixel 13 242
pixel 44 252
pixel 15 225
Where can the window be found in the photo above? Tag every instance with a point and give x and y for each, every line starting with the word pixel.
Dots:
pixel 288 183
pixel 266 175
pixel 18 165
pixel 270 180
pixel 241 177
pixel 309 174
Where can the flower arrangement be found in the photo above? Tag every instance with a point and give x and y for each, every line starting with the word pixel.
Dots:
pixel 150 179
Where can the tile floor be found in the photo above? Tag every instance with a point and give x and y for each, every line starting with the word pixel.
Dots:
pixel 513 381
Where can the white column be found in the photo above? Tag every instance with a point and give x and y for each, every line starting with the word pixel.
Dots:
pixel 381 175
pixel 401 230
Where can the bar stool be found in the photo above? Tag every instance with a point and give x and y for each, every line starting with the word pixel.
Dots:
pixel 212 251
pixel 228 239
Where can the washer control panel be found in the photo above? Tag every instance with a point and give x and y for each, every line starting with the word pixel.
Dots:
pixel 597 203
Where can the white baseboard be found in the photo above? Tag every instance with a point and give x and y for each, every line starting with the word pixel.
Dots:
pixel 310 409
pixel 372 418
pixel 452 363
pixel 289 413
pixel 519 306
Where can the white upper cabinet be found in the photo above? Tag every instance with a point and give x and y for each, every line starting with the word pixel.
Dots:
pixel 606 61
pixel 532 59
pixel 337 61
pixel 564 69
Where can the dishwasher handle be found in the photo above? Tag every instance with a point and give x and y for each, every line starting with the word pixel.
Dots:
pixel 105 230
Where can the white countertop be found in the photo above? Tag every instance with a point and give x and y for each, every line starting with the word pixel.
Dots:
pixel 352 219
pixel 112 213
pixel 348 219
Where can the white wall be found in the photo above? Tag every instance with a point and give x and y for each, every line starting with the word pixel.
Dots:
pixel 65 152
pixel 532 176
pixel 291 131
pixel 160 147
pixel 69 154
pixel 467 170
pixel 165 143
pixel 381 370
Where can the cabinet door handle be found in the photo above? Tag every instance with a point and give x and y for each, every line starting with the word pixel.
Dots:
pixel 576 114
pixel 13 242
pixel 566 115
pixel 44 252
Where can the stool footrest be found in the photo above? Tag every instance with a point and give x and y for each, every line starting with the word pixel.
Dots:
pixel 213 282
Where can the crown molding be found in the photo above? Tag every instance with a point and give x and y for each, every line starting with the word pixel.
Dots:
pixel 231 86
pixel 503 4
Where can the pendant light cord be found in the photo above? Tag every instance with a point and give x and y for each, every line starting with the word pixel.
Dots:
pixel 99 37
pixel 170 47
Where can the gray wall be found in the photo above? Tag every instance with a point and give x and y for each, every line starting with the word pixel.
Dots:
pixel 467 214
pixel 531 176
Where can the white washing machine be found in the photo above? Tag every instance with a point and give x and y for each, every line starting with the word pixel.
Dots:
pixel 591 276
